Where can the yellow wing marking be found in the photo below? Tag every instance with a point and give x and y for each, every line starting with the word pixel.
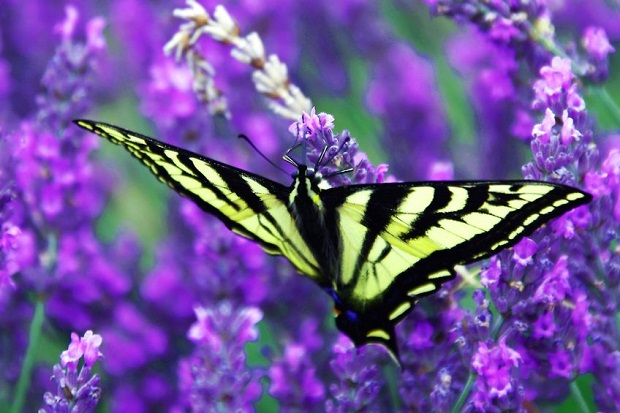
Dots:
pixel 85 125
pixel 121 137
pixel 209 173
pixel 499 211
pixel 530 219
pixel 516 232
pixel 546 210
pixel 353 234
pixel 443 238
pixel 400 310
pixel 425 288
pixel 174 156
pixel 480 220
pixel 417 200
pixel 285 236
pixel 440 274
pixel 382 334
pixel 532 189
pixel 458 200
pixel 384 262
pixel 575 196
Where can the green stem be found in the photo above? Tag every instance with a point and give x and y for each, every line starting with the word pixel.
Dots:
pixel 33 340
pixel 496 327
pixel 581 402
pixel 610 104
pixel 464 394
pixel 551 46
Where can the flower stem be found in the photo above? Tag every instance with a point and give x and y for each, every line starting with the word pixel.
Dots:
pixel 581 402
pixel 610 104
pixel 499 321
pixel 464 394
pixel 551 46
pixel 33 340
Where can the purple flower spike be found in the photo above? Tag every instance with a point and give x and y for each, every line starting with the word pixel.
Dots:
pixel 210 326
pixel 598 48
pixel 358 382
pixel 314 133
pixel 294 381
pixel 495 384
pixel 524 251
pixel 215 377
pixel 76 391
pixel 71 57
pixel 549 306
pixel 9 249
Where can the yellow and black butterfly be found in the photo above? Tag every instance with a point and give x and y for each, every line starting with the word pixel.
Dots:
pixel 374 248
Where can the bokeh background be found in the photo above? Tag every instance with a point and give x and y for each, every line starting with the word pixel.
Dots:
pixel 92 241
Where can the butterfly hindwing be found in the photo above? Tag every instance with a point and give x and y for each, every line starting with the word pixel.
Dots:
pixel 248 204
pixel 401 241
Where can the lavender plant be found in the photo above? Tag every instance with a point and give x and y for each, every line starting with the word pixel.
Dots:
pixel 179 333
pixel 76 390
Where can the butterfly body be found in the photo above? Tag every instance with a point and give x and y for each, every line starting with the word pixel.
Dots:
pixel 376 249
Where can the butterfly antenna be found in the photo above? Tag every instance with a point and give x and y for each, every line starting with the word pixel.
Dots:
pixel 321 156
pixel 340 172
pixel 288 158
pixel 245 138
pixel 296 145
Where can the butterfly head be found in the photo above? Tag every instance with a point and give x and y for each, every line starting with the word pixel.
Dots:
pixel 322 165
pixel 313 179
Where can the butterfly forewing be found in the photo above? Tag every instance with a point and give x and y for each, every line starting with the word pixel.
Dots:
pixel 248 204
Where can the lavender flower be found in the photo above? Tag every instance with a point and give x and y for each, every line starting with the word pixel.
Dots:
pixel 9 244
pixel 77 391
pixel 358 382
pixel 546 314
pixel 270 75
pixel 58 195
pixel 432 372
pixel 215 377
pixel 597 48
pixel 294 380
pixel 495 383
pixel 341 154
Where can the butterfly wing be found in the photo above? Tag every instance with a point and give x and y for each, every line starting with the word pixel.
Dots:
pixel 248 204
pixel 394 242
pixel 401 241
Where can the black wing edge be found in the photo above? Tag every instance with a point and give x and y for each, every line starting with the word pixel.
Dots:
pixel 358 333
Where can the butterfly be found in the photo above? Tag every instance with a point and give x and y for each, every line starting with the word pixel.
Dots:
pixel 376 249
